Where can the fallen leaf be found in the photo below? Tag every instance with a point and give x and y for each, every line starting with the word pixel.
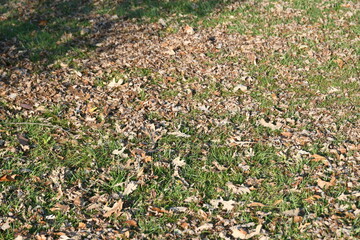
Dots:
pixel 292 213
pixel 226 205
pixel 298 219
pixel 205 226
pixel 130 187
pixel 81 225
pixel 270 125
pixel 242 234
pixel 286 134
pixel 178 163
pixel 130 223
pixel 255 204
pixel 179 134
pixel 240 87
pixel 115 83
pixel 237 189
pixel 22 139
pixel 317 158
pixel 26 106
pixel 324 184
pixel 8 178
pixel 116 209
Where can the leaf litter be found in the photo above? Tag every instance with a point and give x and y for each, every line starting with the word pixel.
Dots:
pixel 142 80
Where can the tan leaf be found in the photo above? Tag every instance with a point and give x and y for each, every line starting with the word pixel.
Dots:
pixel 130 223
pixel 179 134
pixel 298 219
pixel 292 213
pixel 116 209
pixel 270 125
pixel 286 134
pixel 8 178
pixel 177 162
pixel 324 184
pixel 237 189
pixel 317 158
pixel 205 226
pixel 242 234
pixel 255 204
pixel 130 187
pixel 81 225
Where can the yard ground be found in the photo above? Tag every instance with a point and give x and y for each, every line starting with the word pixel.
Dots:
pixel 179 119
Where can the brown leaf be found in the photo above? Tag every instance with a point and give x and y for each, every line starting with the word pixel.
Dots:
pixel 23 140
pixel 81 225
pixel 286 134
pixel 292 213
pixel 317 158
pixel 116 209
pixel 130 223
pixel 8 178
pixel 298 219
pixel 26 106
pixel 255 204
pixel 324 184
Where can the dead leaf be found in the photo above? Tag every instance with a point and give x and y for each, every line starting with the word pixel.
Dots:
pixel 81 225
pixel 23 140
pixel 179 134
pixel 130 223
pixel 8 178
pixel 114 83
pixel 286 134
pixel 324 185
pixel 116 209
pixel 26 106
pixel 205 226
pixel 270 125
pixel 60 207
pixel 298 219
pixel 256 204
pixel 340 62
pixel 240 233
pixel 292 213
pixel 178 163
pixel 317 158
pixel 188 30
pixel 226 205
pixel 240 87
pixel 130 187
pixel 237 189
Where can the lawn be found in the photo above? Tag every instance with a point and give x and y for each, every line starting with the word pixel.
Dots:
pixel 179 119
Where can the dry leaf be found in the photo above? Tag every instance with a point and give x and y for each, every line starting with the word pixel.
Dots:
pixel 226 205
pixel 115 83
pixel 26 106
pixel 130 187
pixel 23 140
pixel 270 125
pixel 116 209
pixel 81 225
pixel 317 158
pixel 242 234
pixel 324 184
pixel 8 178
pixel 237 189
pixel 240 87
pixel 188 30
pixel 178 163
pixel 205 226
pixel 130 223
pixel 255 204
pixel 298 219
pixel 292 213
pixel 179 134
pixel 286 134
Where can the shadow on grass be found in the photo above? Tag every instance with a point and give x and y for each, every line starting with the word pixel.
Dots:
pixel 46 30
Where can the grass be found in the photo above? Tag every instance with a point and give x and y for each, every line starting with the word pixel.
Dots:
pixel 64 161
